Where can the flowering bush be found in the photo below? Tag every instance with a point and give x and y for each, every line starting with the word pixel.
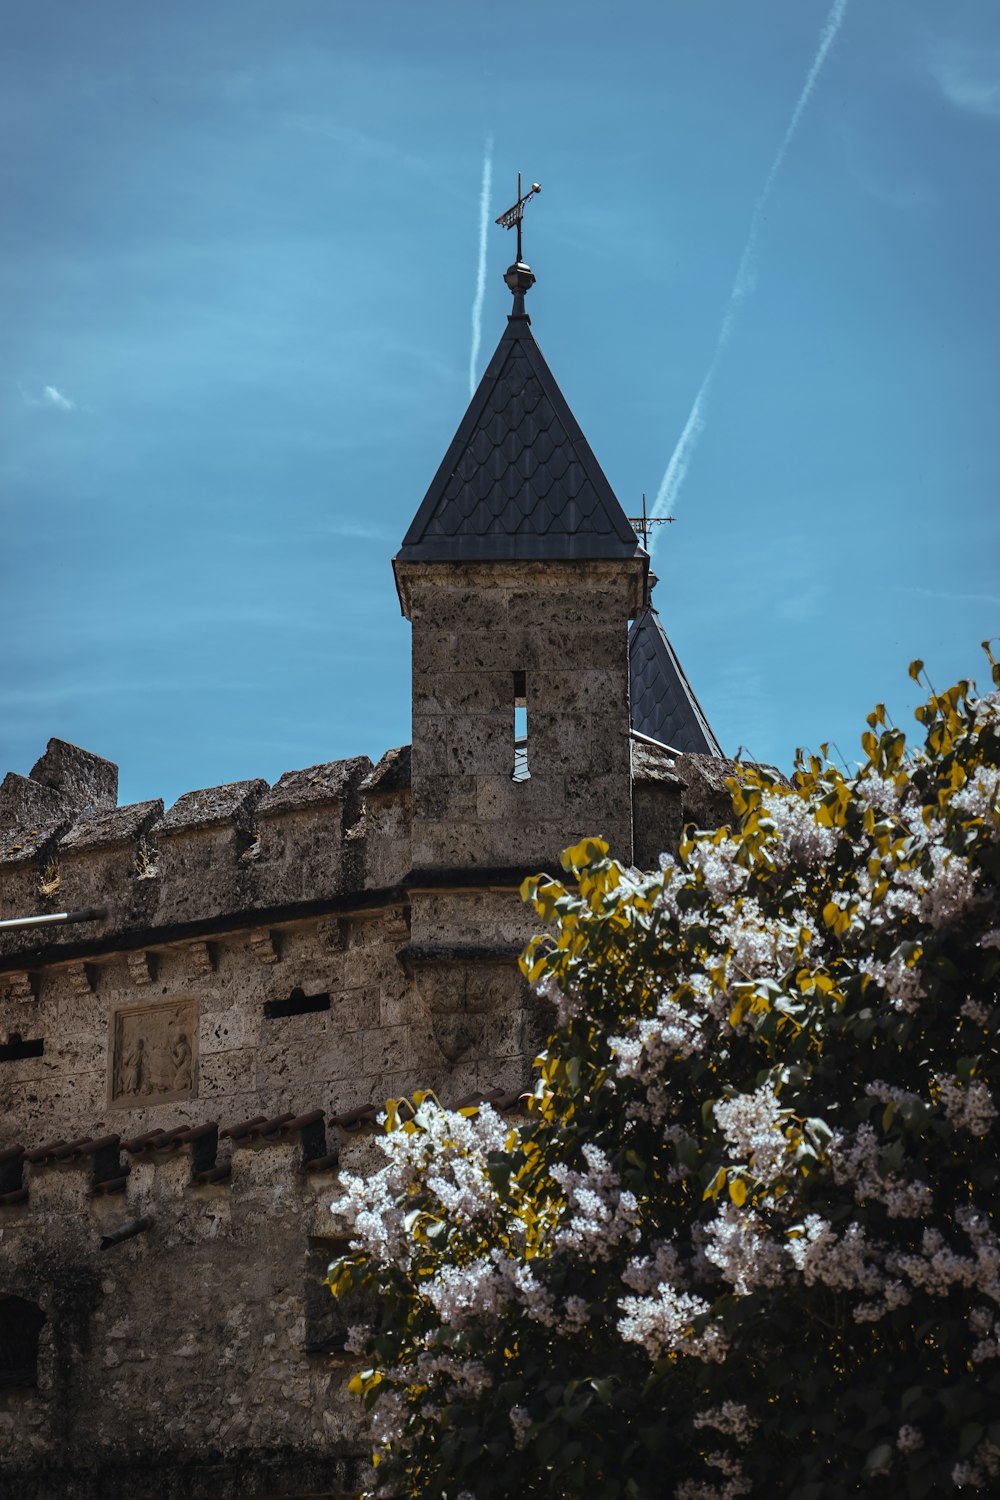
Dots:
pixel 745 1241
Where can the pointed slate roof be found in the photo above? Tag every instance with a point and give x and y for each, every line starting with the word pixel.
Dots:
pixel 663 702
pixel 519 479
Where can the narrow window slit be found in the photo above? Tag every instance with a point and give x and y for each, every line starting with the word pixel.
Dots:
pixel 297 1004
pixel 521 771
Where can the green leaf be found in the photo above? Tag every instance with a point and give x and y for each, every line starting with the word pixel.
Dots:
pixel 878 1459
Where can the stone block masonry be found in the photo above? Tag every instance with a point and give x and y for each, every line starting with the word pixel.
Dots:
pixel 295 953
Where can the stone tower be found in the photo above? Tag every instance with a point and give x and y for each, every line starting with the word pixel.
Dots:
pixel 519 574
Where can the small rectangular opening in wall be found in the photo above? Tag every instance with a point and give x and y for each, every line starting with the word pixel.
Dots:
pixel 20 1326
pixel 297 1004
pixel 521 771
pixel 15 1049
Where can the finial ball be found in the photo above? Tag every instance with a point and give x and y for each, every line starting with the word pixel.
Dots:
pixel 536 187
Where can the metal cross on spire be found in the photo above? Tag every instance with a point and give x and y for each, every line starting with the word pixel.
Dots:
pixel 513 216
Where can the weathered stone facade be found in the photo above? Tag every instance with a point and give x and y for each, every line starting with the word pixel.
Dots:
pixel 185 1070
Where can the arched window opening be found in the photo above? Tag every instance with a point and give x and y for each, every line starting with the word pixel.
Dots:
pixel 20 1325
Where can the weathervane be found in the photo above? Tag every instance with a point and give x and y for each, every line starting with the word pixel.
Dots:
pixel 519 277
pixel 516 214
pixel 641 524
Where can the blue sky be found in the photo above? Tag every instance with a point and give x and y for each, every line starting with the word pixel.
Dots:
pixel 238 257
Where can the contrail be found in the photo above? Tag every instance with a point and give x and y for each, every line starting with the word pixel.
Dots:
pixel 745 280
pixel 477 302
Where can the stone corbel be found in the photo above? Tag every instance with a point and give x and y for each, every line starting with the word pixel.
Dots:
pixel 265 945
pixel 142 967
pixel 201 957
pixel 22 987
pixel 333 932
pixel 81 978
pixel 396 923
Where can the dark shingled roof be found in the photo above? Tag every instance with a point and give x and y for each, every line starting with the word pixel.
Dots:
pixel 664 706
pixel 519 480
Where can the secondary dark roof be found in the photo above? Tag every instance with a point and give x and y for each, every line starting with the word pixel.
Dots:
pixel 519 480
pixel 663 702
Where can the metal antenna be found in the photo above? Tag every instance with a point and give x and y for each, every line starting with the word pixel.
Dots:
pixel 513 216
pixel 641 525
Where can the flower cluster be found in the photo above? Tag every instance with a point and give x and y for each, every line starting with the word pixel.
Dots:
pixel 746 1240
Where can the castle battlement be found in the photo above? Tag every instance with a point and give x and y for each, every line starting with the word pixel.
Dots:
pixel 325 832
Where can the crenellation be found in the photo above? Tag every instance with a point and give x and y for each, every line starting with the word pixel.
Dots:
pixel 111 828
pixel 27 805
pixel 98 867
pixel 201 839
pixel 707 802
pixel 325 832
pixel 81 778
pixel 26 857
pixel 302 823
pixel 657 802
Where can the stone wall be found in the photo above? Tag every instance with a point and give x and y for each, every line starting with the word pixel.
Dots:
pixel 268 969
pixel 189 1348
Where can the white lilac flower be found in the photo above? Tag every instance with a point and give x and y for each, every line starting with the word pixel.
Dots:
pixel 600 1213
pixel 973 1010
pixel 901 981
pixel 799 837
pixel 663 1324
pixel 969 1106
pixel 737 1244
pixel 716 863
pixel 980 796
pixel 520 1421
pixel 731 1419
pixel 752 1124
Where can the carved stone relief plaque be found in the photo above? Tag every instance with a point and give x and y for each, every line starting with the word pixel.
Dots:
pixel 153 1053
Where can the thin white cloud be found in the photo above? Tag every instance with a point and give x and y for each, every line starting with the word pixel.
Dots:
pixel 746 277
pixel 477 301
pixel 52 396
pixel 950 598
pixel 969 79
pixel 356 530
